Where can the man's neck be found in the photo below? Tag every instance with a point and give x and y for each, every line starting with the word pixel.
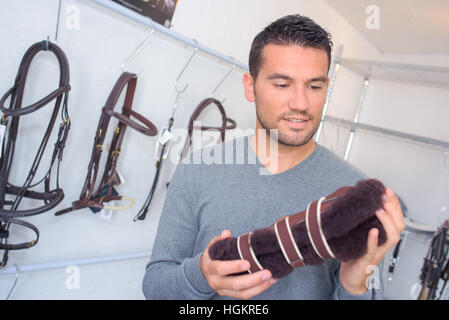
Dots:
pixel 278 157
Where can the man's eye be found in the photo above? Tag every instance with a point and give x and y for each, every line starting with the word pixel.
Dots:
pixel 281 85
pixel 315 87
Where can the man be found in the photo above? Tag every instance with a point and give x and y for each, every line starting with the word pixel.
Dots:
pixel 289 62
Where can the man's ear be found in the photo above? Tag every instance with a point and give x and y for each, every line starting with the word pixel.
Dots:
pixel 248 85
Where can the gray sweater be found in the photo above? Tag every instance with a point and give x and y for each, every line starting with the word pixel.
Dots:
pixel 237 193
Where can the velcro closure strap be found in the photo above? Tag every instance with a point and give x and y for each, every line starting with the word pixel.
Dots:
pixel 287 243
pixel 247 253
pixel 315 231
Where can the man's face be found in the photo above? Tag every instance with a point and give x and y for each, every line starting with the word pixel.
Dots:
pixel 289 92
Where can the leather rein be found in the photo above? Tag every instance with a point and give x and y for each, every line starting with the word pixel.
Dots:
pixel 10 123
pixel 93 198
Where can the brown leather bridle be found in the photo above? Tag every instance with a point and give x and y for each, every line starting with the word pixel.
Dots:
pixel 225 126
pixel 227 123
pixel 95 198
pixel 10 120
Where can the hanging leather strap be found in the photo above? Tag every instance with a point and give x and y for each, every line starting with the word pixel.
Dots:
pixel 246 252
pixel 289 248
pixel 315 232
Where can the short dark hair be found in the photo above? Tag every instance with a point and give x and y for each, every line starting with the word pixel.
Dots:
pixel 292 29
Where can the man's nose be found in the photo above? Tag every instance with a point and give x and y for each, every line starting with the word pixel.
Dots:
pixel 298 99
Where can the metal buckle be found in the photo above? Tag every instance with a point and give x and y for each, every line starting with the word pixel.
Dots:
pixel 4 120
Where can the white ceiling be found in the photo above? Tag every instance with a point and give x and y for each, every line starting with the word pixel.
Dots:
pixel 405 26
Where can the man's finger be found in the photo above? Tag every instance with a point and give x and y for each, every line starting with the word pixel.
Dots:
pixel 242 282
pixel 373 241
pixel 247 281
pixel 225 234
pixel 393 208
pixel 390 228
pixel 249 292
pixel 224 268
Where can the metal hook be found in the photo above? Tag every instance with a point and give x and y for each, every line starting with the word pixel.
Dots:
pixel 184 69
pixel 57 21
pixel 15 281
pixel 223 80
pixel 137 49
pixel 179 92
pixel 225 77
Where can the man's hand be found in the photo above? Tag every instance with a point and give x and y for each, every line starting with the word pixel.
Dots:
pixel 219 275
pixel 354 273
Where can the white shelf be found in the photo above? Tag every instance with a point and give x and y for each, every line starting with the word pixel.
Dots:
pixel 354 126
pixel 415 74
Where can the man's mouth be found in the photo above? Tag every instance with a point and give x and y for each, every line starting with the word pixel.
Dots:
pixel 295 122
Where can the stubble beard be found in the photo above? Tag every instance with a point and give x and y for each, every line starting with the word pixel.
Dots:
pixel 292 140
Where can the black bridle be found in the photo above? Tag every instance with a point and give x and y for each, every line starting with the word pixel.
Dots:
pixel 435 268
pixel 9 209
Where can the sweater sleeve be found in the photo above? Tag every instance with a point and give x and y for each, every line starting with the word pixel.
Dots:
pixel 173 271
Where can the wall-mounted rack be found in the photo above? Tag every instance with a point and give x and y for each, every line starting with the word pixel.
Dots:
pixel 423 75
pixel 399 72
pixel 354 126
pixel 168 32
